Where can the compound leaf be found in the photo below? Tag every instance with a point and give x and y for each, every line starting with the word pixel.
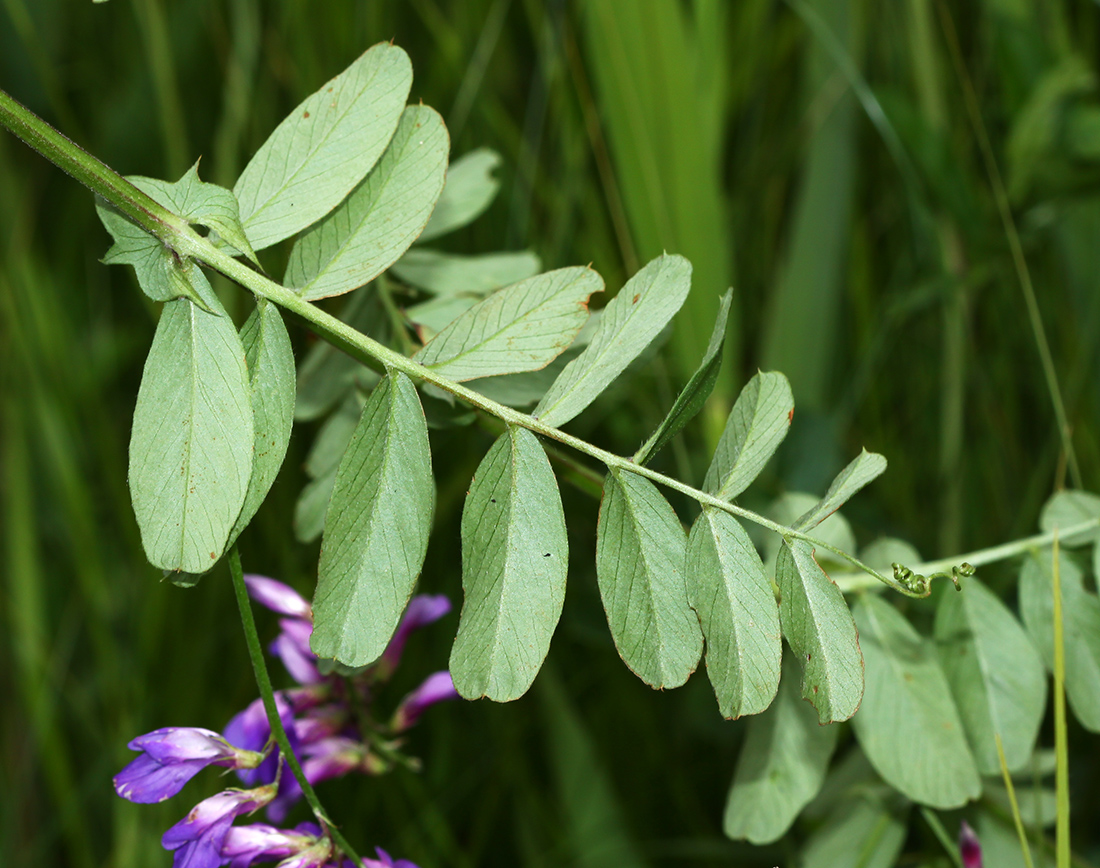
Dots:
pixel 782 766
pixel 192 439
pixel 376 527
pixel 470 189
pixel 863 469
pixel 737 611
pixel 370 229
pixel 640 548
pixel 995 673
pixel 819 628
pixel 522 327
pixel 514 559
pixel 692 397
pixel 757 424
pixel 270 361
pixel 323 148
pixel 631 320
pixel 908 724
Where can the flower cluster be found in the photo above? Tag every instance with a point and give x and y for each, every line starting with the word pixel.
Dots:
pixel 331 727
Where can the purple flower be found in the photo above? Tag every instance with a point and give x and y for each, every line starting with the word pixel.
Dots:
pixel 969 847
pixel 171 757
pixel 292 647
pixel 437 687
pixel 250 729
pixel 278 597
pixel 197 838
pixel 244 845
pixel 423 609
pixel 384 860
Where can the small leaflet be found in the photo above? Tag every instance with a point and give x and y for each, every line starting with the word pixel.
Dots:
pixel 631 320
pixel 376 527
pixel 908 724
pixel 515 553
pixel 520 328
pixel 819 627
pixel 470 189
pixel 192 439
pixel 324 148
pixel 640 551
pixel 449 274
pixel 864 468
pixel 381 218
pixel 756 425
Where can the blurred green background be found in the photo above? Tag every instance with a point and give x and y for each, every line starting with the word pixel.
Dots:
pixel 819 156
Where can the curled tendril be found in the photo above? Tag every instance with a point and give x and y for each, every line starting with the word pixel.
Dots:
pixel 919 584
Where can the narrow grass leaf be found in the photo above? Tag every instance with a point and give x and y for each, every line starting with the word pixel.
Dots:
pixel 631 320
pixel 323 148
pixel 863 469
pixel 864 832
pixel 470 189
pixel 692 397
pixel 640 549
pixel 270 361
pixel 756 426
pixel 781 767
pixel 1068 508
pixel 522 327
pixel 731 593
pixel 820 630
pixel 453 273
pixel 995 673
pixel 514 559
pixel 1081 618
pixel 376 527
pixel 908 725
pixel 192 439
pixel 381 218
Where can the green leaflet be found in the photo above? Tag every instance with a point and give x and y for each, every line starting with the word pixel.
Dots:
pixel 323 148
pixel 835 530
pixel 321 465
pixel 863 832
pixel 432 316
pixel 201 203
pixel 737 611
pixel 1081 615
pixel 370 229
pixel 908 725
pixel 756 426
pixel 781 767
pixel 191 444
pixel 819 628
pixel 514 559
pixel 1068 508
pixel 470 189
pixel 270 361
pixel 995 673
pixel 631 320
pixel 691 399
pixel 863 469
pixel 376 527
pixel 453 274
pixel 522 327
pixel 640 549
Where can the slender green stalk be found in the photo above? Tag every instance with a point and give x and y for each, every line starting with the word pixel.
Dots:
pixel 1017 820
pixel 1061 746
pixel 187 243
pixel 949 846
pixel 263 682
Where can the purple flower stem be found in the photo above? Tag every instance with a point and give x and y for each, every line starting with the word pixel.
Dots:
pixel 263 682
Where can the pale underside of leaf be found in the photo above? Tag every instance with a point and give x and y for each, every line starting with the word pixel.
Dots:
pixel 514 561
pixel 192 439
pixel 819 627
pixel 757 424
pixel 737 611
pixel 630 322
pixel 522 327
pixel 470 189
pixel 640 549
pixel 453 274
pixel 324 147
pixel 376 527
pixel 381 218
pixel 908 725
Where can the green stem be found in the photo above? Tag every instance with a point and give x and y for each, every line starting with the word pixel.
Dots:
pixel 267 694
pixel 187 243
